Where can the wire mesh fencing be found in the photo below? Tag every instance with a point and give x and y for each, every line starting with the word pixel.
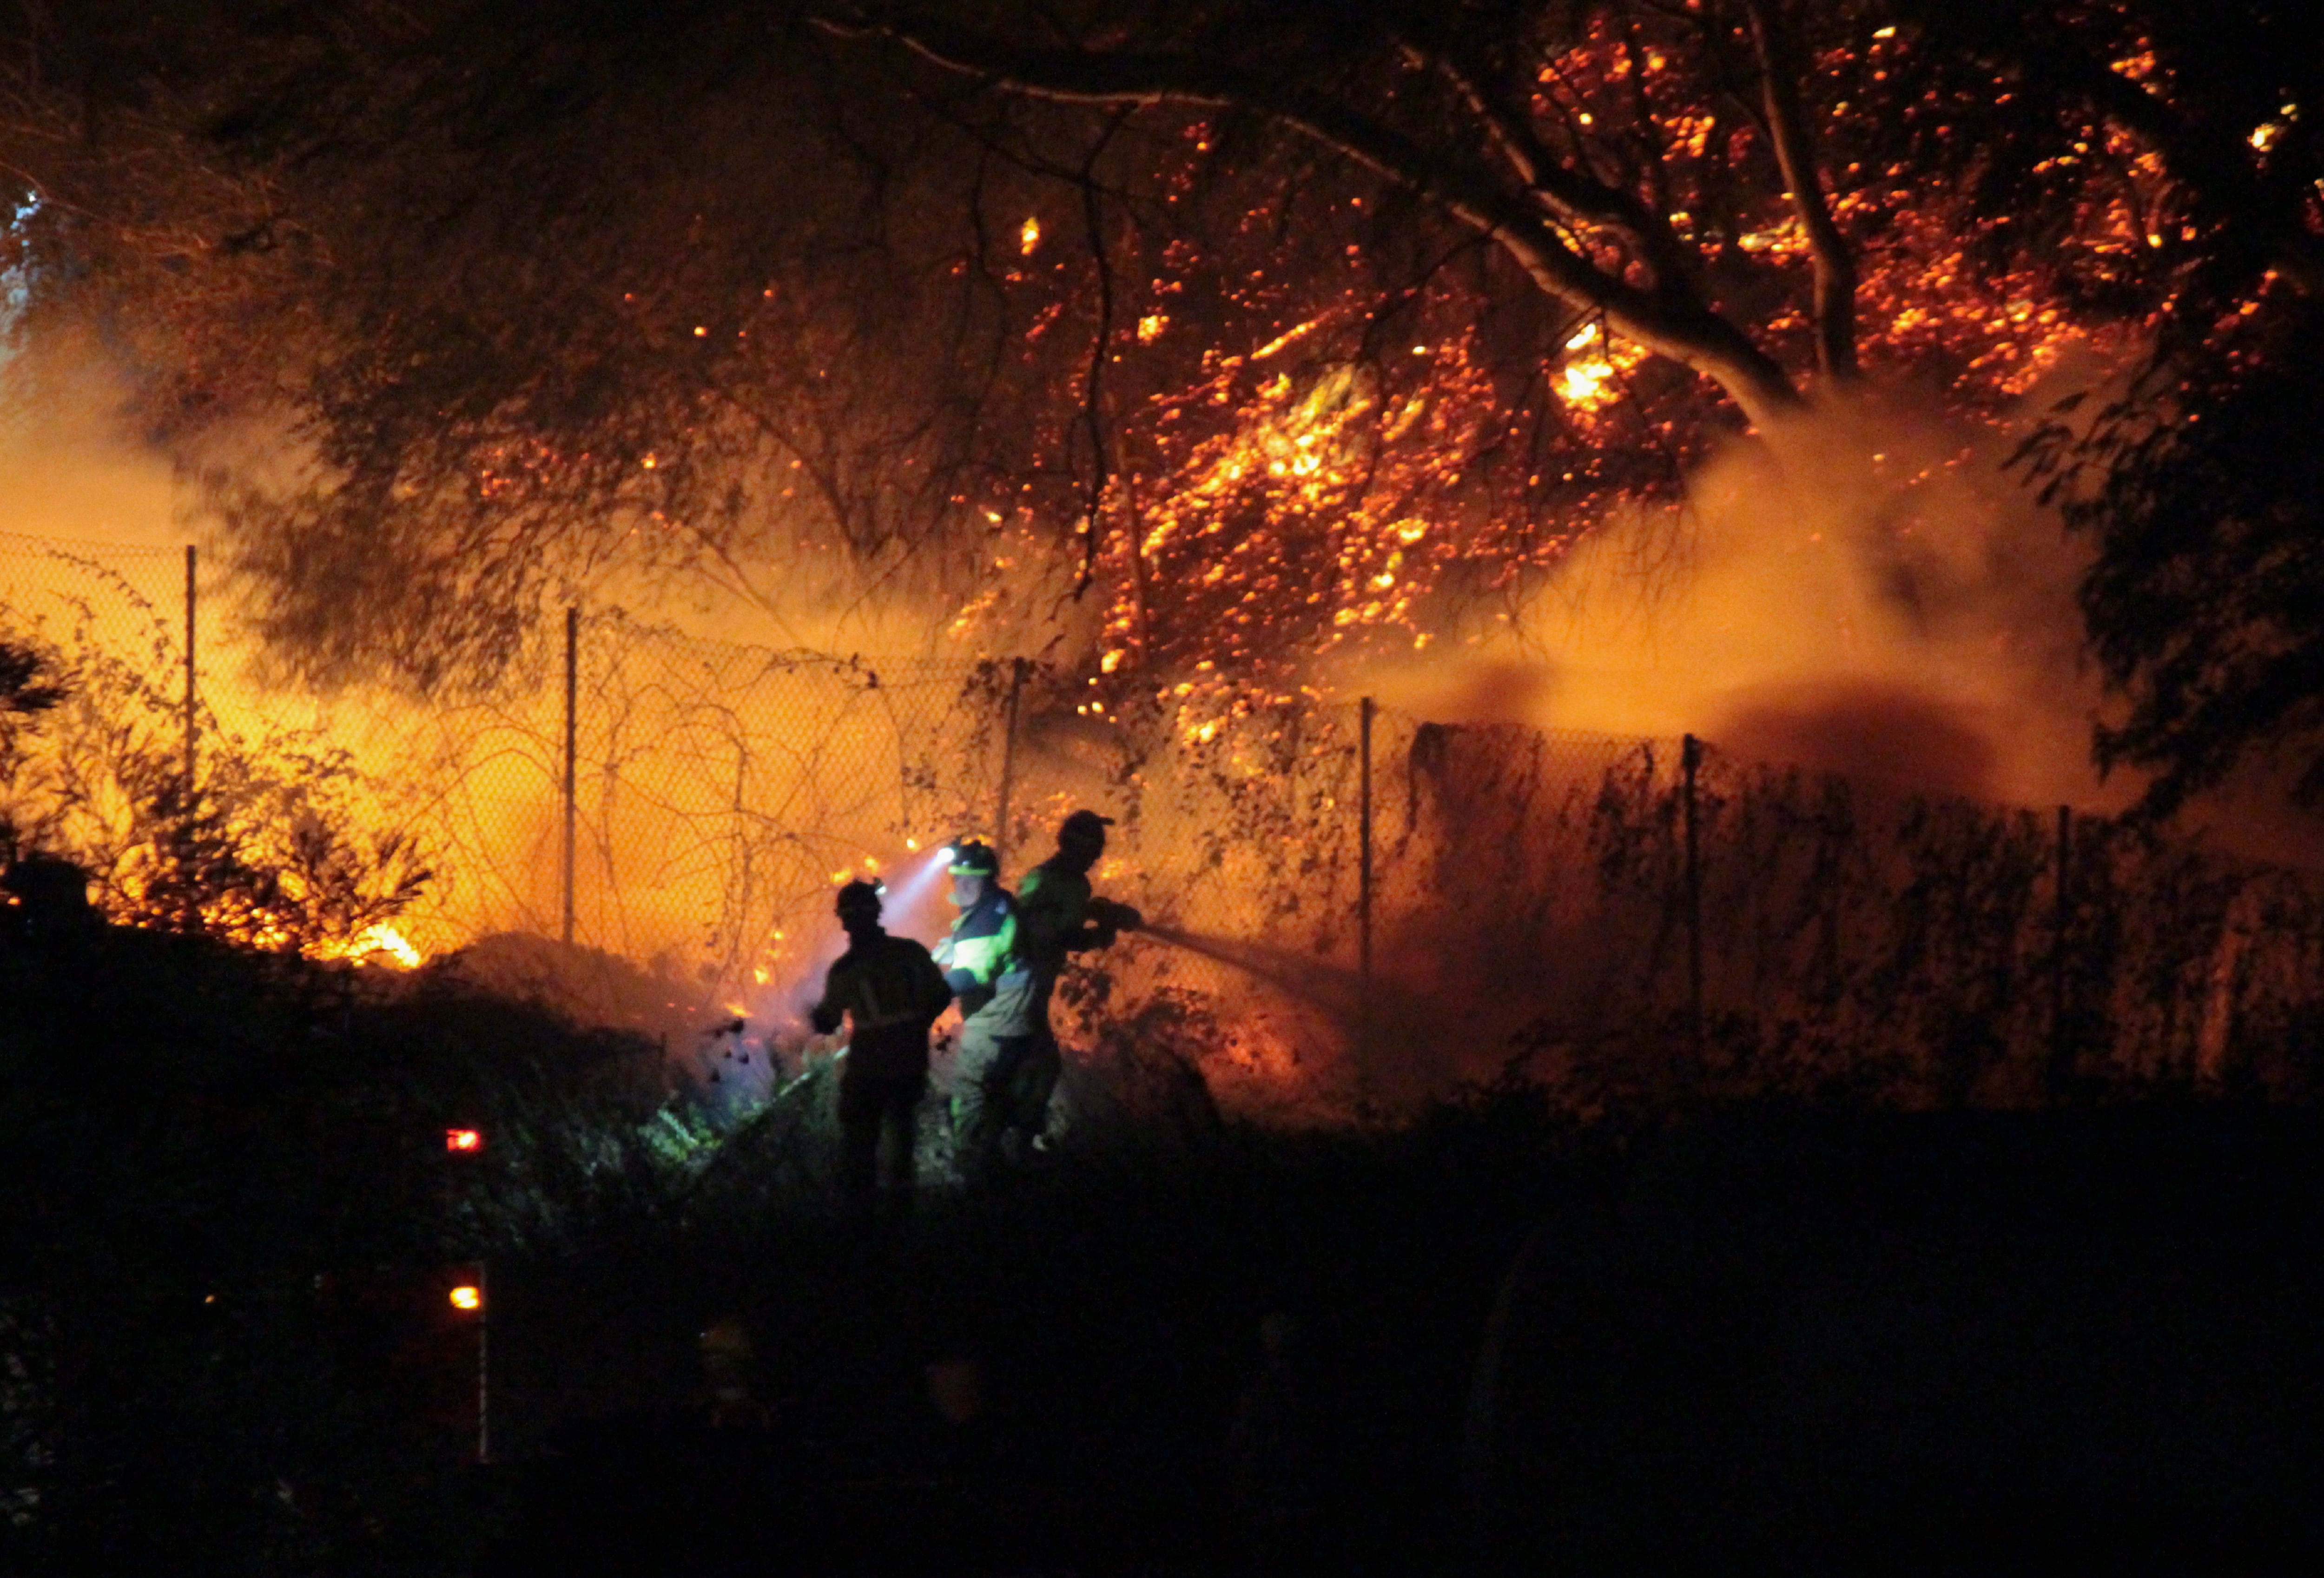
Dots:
pixel 681 804
pixel 1652 922
pixel 1350 908
pixel 716 792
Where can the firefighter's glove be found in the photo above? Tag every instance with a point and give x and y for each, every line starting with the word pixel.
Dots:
pixel 1113 918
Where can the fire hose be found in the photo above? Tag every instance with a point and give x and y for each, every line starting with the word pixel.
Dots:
pixel 778 1105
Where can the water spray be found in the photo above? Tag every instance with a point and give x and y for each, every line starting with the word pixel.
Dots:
pixel 1335 990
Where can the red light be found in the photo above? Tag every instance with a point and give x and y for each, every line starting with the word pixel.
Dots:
pixel 464 1140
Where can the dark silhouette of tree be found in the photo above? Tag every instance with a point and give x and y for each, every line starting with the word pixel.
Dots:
pixel 27 690
pixel 2204 488
pixel 24 689
pixel 962 297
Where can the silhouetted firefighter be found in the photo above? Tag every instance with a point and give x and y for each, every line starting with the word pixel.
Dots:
pixel 1058 916
pixel 891 992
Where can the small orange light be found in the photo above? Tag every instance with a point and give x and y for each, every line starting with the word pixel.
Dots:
pixel 467 1297
pixel 464 1140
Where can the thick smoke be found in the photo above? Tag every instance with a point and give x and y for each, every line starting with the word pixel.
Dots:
pixel 67 468
pixel 1868 591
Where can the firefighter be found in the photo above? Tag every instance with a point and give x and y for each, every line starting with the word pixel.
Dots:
pixel 982 967
pixel 1057 916
pixel 893 991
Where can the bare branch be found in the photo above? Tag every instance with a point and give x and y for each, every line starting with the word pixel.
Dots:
pixel 1578 198
pixel 1834 261
pixel 1669 319
pixel 1100 343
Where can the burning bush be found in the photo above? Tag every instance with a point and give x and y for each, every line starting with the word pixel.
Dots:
pixel 181 825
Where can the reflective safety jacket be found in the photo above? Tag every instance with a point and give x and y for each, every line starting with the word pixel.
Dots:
pixel 893 991
pixel 980 957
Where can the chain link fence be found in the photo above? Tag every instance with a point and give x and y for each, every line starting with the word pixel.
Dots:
pixel 1646 923
pixel 1350 908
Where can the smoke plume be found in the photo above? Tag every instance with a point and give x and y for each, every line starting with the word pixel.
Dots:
pixel 1868 591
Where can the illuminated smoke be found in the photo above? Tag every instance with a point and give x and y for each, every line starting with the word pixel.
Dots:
pixel 1866 592
pixel 901 906
pixel 782 1001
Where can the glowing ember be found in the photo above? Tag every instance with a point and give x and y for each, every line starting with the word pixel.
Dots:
pixel 464 1140
pixel 1290 486
pixel 386 939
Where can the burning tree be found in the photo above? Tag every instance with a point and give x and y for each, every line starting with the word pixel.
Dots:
pixel 1213 340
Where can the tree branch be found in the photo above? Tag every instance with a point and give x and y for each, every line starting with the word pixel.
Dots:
pixel 1576 197
pixel 1101 343
pixel 1668 320
pixel 2214 167
pixel 1834 262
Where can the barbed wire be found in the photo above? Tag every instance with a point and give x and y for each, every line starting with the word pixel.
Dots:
pixel 1584 911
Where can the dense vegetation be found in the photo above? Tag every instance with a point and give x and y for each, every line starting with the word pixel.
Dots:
pixel 232 1220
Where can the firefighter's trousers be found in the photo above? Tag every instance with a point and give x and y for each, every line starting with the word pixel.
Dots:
pixel 876 1114
pixel 1008 1065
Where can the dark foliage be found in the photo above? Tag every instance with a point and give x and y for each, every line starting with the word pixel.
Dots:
pixel 22 689
pixel 27 690
pixel 2202 490
pixel 268 845
pixel 2190 84
pixel 212 1160
pixel 1199 1344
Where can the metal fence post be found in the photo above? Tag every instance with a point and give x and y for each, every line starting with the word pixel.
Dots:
pixel 572 769
pixel 1016 666
pixel 483 1367
pixel 193 915
pixel 190 725
pixel 1689 759
pixel 1364 850
pixel 2061 1051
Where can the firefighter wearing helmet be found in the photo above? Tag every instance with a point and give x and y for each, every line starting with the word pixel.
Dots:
pixel 982 965
pixel 890 991
pixel 1057 916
